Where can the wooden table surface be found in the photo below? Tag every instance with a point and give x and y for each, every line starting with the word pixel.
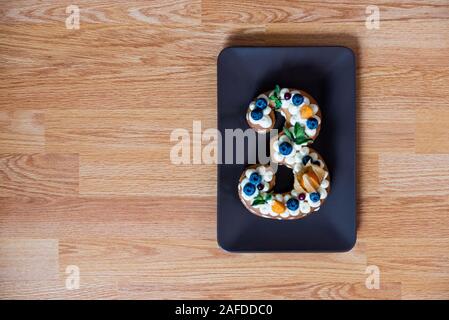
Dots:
pixel 85 171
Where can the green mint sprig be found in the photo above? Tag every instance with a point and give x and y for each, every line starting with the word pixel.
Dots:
pixel 260 199
pixel 298 136
pixel 276 97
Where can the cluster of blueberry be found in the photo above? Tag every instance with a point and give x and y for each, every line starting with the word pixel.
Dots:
pixel 255 181
pixel 257 113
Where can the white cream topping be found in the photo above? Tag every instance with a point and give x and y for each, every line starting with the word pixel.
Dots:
pixel 265 208
pixel 266 175
pixel 313 204
pixel 294 110
pixel 265 122
pixel 325 184
pixel 303 122
pixel 322 192
pixel 289 158
pixel 304 207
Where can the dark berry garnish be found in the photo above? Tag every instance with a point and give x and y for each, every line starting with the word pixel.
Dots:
pixel 292 204
pixel 315 196
pixel 261 103
pixel 255 178
pixel 302 196
pixel 260 186
pixel 285 148
pixel 306 159
pixel 297 99
pixel 249 189
pixel 257 114
pixel 287 95
pixel 312 123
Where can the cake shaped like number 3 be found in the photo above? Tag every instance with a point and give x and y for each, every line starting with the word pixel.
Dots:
pixel 290 148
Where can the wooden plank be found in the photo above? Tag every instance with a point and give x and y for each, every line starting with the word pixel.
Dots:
pixel 431 131
pixel 179 12
pixel 418 263
pixel 427 33
pixel 403 216
pixel 110 132
pixel 293 290
pixel 368 174
pixel 38 175
pixel 168 217
pixel 55 289
pixel 284 11
pixel 405 175
pixel 199 262
pixel 28 259
pixel 22 131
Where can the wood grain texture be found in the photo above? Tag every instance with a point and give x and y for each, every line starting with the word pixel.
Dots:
pixel 22 131
pixel 85 176
pixel 37 175
pixel 29 259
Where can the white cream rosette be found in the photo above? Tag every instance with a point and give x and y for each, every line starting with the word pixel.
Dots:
pixel 265 121
pixel 288 158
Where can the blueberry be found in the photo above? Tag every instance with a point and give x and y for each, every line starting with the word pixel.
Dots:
pixel 302 196
pixel 255 178
pixel 312 123
pixel 285 148
pixel 297 99
pixel 261 103
pixel 257 114
pixel 306 159
pixel 315 196
pixel 260 186
pixel 292 204
pixel 249 189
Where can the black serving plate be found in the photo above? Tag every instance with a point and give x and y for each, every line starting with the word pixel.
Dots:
pixel 328 74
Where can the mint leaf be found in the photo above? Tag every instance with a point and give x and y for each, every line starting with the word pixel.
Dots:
pixel 301 140
pixel 259 199
pixel 258 202
pixel 273 97
pixel 298 130
pixel 289 134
